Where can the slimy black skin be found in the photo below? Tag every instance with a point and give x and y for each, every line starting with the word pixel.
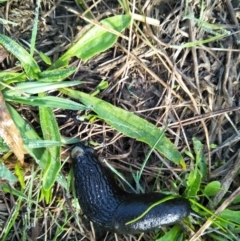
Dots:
pixel 110 207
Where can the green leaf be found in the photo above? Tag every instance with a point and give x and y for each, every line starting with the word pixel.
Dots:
pixel 188 153
pixel 95 40
pixel 46 101
pixel 129 124
pixel 28 63
pixel 46 194
pixel 200 160
pixel 3 146
pixel 212 188
pixel 193 183
pixel 196 176
pixel 236 200
pixel 50 132
pixel 7 174
pixel 230 215
pixel 213 145
pixel 55 75
pixel 11 77
pixel 173 234
pixel 102 86
pixel 198 149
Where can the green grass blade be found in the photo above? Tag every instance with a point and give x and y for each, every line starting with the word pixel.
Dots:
pixel 50 132
pixel 39 154
pixel 35 28
pixel 45 58
pixel 198 42
pixel 12 220
pixel 148 155
pixel 37 87
pixel 41 143
pixel 84 7
pixel 8 189
pixel 28 63
pixel 4 21
pixel 96 40
pixel 208 27
pixel 125 5
pixel 116 172
pixel 129 124
pixel 27 132
pixel 20 175
pixel 150 208
pixel 46 101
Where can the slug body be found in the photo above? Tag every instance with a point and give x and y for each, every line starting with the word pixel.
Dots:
pixel 107 205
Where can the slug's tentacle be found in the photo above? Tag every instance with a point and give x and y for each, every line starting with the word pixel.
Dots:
pixel 107 205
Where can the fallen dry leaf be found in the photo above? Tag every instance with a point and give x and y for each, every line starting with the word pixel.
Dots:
pixel 3 54
pixel 9 131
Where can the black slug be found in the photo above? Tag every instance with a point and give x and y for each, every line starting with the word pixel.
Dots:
pixel 107 205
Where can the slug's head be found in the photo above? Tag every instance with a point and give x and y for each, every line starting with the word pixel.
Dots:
pixel 80 151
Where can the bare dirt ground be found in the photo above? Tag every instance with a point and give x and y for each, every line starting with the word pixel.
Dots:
pixel 195 90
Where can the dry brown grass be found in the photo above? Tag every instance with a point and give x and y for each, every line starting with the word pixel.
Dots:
pixel 195 91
